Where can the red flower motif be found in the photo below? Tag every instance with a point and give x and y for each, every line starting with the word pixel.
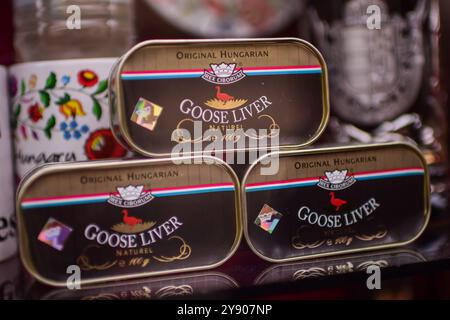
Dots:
pixel 35 112
pixel 87 78
pixel 101 144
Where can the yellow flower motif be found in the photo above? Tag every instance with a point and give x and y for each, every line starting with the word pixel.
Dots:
pixel 32 81
pixel 72 108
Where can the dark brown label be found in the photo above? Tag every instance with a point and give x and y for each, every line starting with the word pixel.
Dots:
pixel 124 223
pixel 336 201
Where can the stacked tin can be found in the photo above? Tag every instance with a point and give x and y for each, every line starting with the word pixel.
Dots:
pixel 196 101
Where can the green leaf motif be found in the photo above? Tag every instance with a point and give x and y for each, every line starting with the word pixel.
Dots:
pixel 15 116
pixel 23 87
pixel 17 110
pixel 50 83
pixel 64 100
pixel 48 133
pixel 51 122
pixel 97 109
pixel 45 98
pixel 102 86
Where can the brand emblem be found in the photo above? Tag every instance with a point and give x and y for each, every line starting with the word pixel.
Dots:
pixel 223 73
pixel 130 197
pixel 336 180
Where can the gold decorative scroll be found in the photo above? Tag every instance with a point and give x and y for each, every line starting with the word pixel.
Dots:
pixel 184 252
pixel 84 262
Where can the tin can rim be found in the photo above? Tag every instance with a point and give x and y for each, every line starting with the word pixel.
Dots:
pixel 122 127
pixel 46 169
pixel 319 150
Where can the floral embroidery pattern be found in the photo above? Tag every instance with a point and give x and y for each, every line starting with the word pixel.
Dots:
pixel 36 102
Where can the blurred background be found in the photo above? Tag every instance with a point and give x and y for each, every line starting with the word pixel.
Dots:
pixel 389 85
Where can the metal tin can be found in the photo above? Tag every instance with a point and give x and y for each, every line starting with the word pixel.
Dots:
pixel 235 93
pixel 113 220
pixel 8 245
pixel 336 200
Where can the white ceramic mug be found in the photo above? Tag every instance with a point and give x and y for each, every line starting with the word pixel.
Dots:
pixel 8 245
pixel 60 112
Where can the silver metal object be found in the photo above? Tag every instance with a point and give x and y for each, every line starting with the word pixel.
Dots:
pixel 375 75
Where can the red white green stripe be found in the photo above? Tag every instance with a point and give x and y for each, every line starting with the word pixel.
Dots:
pixel 306 182
pixel 32 203
pixel 195 73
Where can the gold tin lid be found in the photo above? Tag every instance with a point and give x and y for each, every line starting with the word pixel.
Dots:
pixel 126 219
pixel 337 200
pixel 241 93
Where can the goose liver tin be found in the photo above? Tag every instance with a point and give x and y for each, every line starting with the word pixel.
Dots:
pixel 337 200
pixel 125 219
pixel 235 93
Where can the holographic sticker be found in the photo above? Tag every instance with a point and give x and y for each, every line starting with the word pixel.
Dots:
pixel 146 114
pixel 268 218
pixel 54 234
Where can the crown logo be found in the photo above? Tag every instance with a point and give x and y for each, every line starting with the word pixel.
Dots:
pixel 130 192
pixel 337 176
pixel 223 73
pixel 223 70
